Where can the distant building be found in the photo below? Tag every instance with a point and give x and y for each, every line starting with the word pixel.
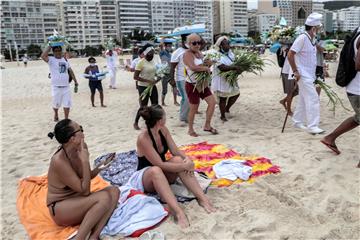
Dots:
pixel 348 18
pixel 328 21
pixel 233 17
pixel 266 21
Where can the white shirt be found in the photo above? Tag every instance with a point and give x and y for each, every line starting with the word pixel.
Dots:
pixel 286 67
pixel 218 82
pixel 111 60
pixel 134 62
pixel 177 57
pixel 354 86
pixel 305 57
pixel 59 71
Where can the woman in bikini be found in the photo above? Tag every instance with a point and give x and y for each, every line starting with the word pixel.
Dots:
pixel 193 61
pixel 69 199
pixel 155 173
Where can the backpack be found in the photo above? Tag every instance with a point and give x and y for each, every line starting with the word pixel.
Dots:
pixel 346 68
pixel 280 57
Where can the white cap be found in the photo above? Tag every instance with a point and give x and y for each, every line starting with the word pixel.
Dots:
pixel 314 19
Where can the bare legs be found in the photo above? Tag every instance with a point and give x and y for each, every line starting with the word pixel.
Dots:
pixel 92 97
pixel 91 212
pixel 225 104
pixel 210 100
pixel 344 127
pixel 56 113
pixel 154 180
pixel 191 117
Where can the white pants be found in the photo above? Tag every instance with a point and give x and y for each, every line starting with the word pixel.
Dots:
pixel 61 96
pixel 112 74
pixel 307 109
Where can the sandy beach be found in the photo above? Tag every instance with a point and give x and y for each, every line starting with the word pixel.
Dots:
pixel 316 195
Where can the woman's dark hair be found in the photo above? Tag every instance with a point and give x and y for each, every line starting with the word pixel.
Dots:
pixel 307 27
pixel 62 131
pixel 151 114
pixel 91 59
pixel 56 47
pixel 145 47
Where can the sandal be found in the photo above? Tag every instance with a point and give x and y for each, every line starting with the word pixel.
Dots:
pixel 212 130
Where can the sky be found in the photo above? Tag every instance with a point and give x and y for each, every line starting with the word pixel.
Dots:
pixel 251 4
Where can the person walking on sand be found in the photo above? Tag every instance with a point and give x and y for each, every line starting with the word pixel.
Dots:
pixel 178 77
pixel 69 199
pixel 193 61
pixel 60 86
pixel 145 75
pixel 226 94
pixel 111 60
pixel 353 93
pixel 302 59
pixel 94 82
pixel 165 57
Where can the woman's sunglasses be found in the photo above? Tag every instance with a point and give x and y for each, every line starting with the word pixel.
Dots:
pixel 196 43
pixel 79 130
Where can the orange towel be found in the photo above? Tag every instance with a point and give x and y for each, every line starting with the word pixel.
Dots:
pixel 33 212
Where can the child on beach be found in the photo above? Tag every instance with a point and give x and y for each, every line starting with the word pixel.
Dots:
pixel 94 81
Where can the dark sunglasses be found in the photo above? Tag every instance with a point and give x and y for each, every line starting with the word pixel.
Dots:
pixel 196 43
pixel 80 130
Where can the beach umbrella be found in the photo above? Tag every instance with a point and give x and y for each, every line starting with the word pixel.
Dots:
pixel 275 47
pixel 195 28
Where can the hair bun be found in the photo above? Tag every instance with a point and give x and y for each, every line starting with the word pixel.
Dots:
pixel 51 135
pixel 145 113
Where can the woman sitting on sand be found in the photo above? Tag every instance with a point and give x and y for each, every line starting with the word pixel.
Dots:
pixel 155 173
pixel 69 199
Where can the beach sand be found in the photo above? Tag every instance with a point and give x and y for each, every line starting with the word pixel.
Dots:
pixel 316 195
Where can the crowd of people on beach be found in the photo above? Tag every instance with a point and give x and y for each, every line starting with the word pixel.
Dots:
pixel 69 198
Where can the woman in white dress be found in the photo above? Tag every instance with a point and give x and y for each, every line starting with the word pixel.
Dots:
pixel 226 94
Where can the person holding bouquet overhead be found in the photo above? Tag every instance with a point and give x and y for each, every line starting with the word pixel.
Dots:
pixel 60 71
pixel 144 74
pixel 197 89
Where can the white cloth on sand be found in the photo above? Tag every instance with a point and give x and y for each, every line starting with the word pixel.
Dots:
pixel 232 169
pixel 135 211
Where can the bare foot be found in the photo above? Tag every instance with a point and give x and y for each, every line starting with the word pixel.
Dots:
pixel 56 119
pixel 223 119
pixel 163 104
pixel 283 102
pixel 193 134
pixel 93 105
pixel 176 104
pixel 290 113
pixel 136 126
pixel 358 165
pixel 207 206
pixel 182 220
pixel 102 105
pixel 198 112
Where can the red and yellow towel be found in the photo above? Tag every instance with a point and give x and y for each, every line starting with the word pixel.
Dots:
pixel 206 155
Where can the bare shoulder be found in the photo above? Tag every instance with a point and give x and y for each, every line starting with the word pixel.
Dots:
pixel 165 131
pixel 143 137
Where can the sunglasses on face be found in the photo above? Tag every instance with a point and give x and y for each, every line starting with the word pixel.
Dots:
pixel 196 43
pixel 79 130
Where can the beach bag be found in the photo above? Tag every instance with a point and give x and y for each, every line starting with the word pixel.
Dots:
pixel 346 68
pixel 280 57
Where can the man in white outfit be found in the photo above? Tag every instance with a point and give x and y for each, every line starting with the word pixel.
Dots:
pixel 111 61
pixel 302 59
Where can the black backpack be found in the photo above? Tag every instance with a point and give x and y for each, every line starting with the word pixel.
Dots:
pixel 280 57
pixel 346 68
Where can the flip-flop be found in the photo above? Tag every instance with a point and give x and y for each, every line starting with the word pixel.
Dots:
pixel 212 130
pixel 332 147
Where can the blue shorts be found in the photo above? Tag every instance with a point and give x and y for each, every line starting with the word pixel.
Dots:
pixel 93 85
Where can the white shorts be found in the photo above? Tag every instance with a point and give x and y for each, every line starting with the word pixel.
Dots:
pixel 136 180
pixel 61 96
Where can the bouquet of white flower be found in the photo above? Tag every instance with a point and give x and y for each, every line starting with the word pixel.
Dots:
pixel 161 71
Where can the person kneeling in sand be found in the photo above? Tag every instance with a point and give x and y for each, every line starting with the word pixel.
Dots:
pixel 69 199
pixel 155 173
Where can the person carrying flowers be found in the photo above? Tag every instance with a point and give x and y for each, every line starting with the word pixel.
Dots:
pixel 145 72
pixel 196 86
pixel 226 93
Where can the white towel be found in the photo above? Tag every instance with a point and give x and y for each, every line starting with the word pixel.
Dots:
pixel 232 169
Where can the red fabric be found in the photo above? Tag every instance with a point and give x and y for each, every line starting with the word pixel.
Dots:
pixel 193 94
